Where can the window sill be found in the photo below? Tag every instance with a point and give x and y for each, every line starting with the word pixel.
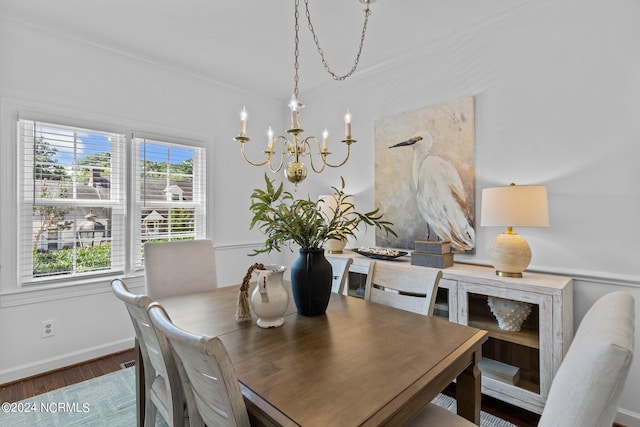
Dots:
pixel 33 294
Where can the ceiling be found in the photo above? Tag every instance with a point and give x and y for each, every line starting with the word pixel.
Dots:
pixel 249 43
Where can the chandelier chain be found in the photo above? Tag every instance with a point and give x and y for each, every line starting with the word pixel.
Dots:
pixel 367 12
pixel 296 65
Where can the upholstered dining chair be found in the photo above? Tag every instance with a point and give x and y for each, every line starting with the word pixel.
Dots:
pixel 408 287
pixel 208 371
pixel 587 387
pixel 340 268
pixel 179 267
pixel 162 383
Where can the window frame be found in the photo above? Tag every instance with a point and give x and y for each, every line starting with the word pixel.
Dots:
pixel 199 194
pixel 130 268
pixel 28 200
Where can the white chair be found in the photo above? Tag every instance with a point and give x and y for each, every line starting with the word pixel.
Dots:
pixel 180 267
pixel 587 388
pixel 163 387
pixel 407 287
pixel 340 268
pixel 208 371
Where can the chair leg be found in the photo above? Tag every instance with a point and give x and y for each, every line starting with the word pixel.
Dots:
pixel 150 412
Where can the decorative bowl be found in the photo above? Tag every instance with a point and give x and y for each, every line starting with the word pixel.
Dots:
pixel 380 253
pixel 509 314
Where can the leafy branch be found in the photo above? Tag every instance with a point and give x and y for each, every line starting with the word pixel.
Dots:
pixel 285 220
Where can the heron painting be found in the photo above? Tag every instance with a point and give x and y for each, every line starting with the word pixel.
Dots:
pixel 425 175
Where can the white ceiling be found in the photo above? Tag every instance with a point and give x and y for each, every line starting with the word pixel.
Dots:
pixel 249 43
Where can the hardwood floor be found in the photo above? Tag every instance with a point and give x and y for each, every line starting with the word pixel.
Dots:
pixel 28 387
pixel 33 386
pixel 515 415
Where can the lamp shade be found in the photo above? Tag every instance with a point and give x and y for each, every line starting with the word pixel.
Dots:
pixel 515 206
pixel 329 205
pixel 330 209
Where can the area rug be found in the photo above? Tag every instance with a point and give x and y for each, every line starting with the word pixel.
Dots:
pixel 109 401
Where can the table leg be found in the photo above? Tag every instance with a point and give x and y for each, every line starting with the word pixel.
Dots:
pixel 469 389
pixel 140 394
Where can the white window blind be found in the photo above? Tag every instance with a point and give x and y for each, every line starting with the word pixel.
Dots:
pixel 72 209
pixel 170 193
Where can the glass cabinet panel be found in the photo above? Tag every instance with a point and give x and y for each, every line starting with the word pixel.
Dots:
pixel 512 352
pixel 442 303
pixel 356 283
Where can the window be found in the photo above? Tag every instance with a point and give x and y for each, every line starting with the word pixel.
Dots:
pixel 74 187
pixel 73 201
pixel 169 193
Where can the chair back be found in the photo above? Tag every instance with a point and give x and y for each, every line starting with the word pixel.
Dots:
pixel 340 273
pixel 587 387
pixel 208 370
pixel 407 287
pixel 180 267
pixel 156 356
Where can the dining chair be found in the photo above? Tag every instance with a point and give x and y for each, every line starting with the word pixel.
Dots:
pixel 162 383
pixel 587 388
pixel 179 267
pixel 208 371
pixel 340 273
pixel 407 287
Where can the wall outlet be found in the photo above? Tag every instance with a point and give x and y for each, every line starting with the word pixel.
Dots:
pixel 48 328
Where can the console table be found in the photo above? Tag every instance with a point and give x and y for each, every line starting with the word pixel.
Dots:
pixel 517 367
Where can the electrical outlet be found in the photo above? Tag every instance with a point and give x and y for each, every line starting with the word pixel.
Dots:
pixel 48 328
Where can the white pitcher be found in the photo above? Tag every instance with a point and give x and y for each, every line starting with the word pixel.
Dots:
pixel 270 297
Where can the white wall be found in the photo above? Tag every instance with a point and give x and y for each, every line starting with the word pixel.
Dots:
pixel 557 97
pixel 46 73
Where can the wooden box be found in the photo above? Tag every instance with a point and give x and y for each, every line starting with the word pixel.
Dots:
pixel 432 260
pixel 433 247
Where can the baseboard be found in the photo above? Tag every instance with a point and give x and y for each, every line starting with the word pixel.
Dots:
pixel 36 368
pixel 627 418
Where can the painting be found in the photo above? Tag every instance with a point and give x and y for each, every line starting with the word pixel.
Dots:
pixel 425 175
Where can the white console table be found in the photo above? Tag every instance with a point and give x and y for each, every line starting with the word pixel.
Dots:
pixel 518 366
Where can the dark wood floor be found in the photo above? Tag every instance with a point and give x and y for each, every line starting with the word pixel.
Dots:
pixel 84 371
pixel 33 386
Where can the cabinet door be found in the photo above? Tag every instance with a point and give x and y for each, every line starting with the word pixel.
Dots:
pixel 517 364
pixel 447 300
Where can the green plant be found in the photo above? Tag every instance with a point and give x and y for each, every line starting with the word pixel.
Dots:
pixel 286 220
pixel 62 261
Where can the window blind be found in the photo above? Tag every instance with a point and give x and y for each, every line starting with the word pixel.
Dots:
pixel 73 201
pixel 170 193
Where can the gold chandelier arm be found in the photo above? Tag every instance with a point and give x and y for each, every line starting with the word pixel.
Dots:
pixel 341 163
pixel 244 155
pixel 323 156
pixel 284 151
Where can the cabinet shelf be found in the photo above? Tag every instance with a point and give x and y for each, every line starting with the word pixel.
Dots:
pixel 521 365
pixel 526 337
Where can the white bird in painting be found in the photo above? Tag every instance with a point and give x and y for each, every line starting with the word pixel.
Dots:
pixel 440 195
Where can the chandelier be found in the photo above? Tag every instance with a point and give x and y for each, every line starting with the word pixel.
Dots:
pixel 296 145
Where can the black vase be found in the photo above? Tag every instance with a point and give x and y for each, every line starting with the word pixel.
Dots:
pixel 311 282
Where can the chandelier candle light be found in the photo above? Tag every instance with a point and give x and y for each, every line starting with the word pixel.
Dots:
pixel 295 145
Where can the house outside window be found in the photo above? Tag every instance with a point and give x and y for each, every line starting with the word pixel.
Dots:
pixel 73 199
pixel 170 197
pixel 70 174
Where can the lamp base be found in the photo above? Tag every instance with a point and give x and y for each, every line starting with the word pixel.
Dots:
pixel 507 274
pixel 510 254
pixel 335 246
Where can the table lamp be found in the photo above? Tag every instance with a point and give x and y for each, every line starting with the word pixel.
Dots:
pixel 513 206
pixel 329 208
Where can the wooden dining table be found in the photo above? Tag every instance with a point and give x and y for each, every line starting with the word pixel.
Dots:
pixel 360 364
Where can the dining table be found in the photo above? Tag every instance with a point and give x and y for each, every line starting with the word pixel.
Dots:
pixel 359 364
